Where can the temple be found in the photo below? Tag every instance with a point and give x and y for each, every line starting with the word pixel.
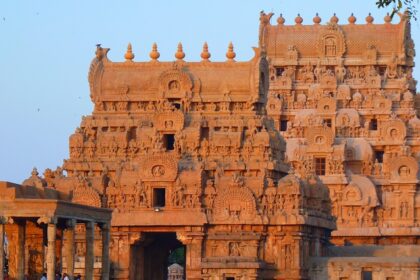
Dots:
pixel 301 163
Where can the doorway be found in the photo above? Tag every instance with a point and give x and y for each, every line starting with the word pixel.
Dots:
pixel 151 258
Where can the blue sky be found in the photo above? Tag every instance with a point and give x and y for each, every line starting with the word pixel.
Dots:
pixel 46 48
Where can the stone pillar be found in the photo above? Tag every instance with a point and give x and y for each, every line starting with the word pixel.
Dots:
pixel 90 257
pixel 105 228
pixel 51 236
pixel 2 229
pixel 69 247
pixel 20 273
pixel 193 242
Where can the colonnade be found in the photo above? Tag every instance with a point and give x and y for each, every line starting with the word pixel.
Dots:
pixel 50 226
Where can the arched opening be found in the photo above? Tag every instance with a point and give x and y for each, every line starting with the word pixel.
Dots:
pixel 151 257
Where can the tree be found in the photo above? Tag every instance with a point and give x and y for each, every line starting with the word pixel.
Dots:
pixel 399 5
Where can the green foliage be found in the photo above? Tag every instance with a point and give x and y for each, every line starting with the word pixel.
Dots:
pixel 177 256
pixel 409 6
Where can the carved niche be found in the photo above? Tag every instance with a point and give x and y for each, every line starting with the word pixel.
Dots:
pixel 159 168
pixel 404 168
pixel 360 192
pixel 331 41
pixel 393 131
pixel 235 203
pixel 371 54
pixel 320 138
pixel 326 105
pixel 274 105
pixel 175 83
pixel 169 121
pixel 85 194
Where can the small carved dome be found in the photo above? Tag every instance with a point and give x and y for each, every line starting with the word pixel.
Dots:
pixel 154 54
pixel 387 18
pixel 352 19
pixel 281 20
pixel 369 19
pixel 298 19
pixel 205 55
pixel 34 180
pixel 357 96
pixel 334 19
pixel 317 19
pixel 179 53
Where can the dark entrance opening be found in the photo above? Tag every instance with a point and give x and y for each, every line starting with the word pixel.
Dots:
pixel 151 257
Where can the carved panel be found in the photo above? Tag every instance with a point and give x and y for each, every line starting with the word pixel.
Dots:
pixel 331 41
pixel 404 168
pixel 159 168
pixel 169 121
pixel 175 83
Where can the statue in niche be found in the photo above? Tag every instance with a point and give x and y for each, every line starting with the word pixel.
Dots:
pixel 132 148
pixel 391 71
pixel 340 72
pixel 394 134
pixel 174 86
pixel 178 196
pixel 234 249
pixel 142 196
pixel 318 71
pixel 404 209
pixel 158 171
pixel 404 171
pixel 113 148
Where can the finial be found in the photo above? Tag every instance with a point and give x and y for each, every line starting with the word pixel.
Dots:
pixel 154 54
pixel 129 55
pixel 298 19
pixel 387 18
pixel 317 19
pixel 230 53
pixel 281 20
pixel 369 19
pixel 179 53
pixel 34 172
pixel 334 19
pixel 352 19
pixel 205 55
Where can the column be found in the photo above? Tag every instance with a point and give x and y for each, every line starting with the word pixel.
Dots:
pixel 51 236
pixel 90 257
pixel 69 247
pixel 20 250
pixel 2 229
pixel 193 242
pixel 105 228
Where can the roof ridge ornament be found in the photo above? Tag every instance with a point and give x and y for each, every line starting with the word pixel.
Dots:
pixel 154 54
pixel 369 19
pixel 179 53
pixel 317 19
pixel 205 55
pixel 129 55
pixel 230 55
pixel 352 19
pixel 334 19
pixel 281 20
pixel 298 19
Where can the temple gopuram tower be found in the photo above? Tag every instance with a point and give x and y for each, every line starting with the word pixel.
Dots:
pixel 343 97
pixel 301 163
pixel 187 157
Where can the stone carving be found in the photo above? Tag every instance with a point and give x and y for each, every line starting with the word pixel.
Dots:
pixel 331 41
pixel 197 149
